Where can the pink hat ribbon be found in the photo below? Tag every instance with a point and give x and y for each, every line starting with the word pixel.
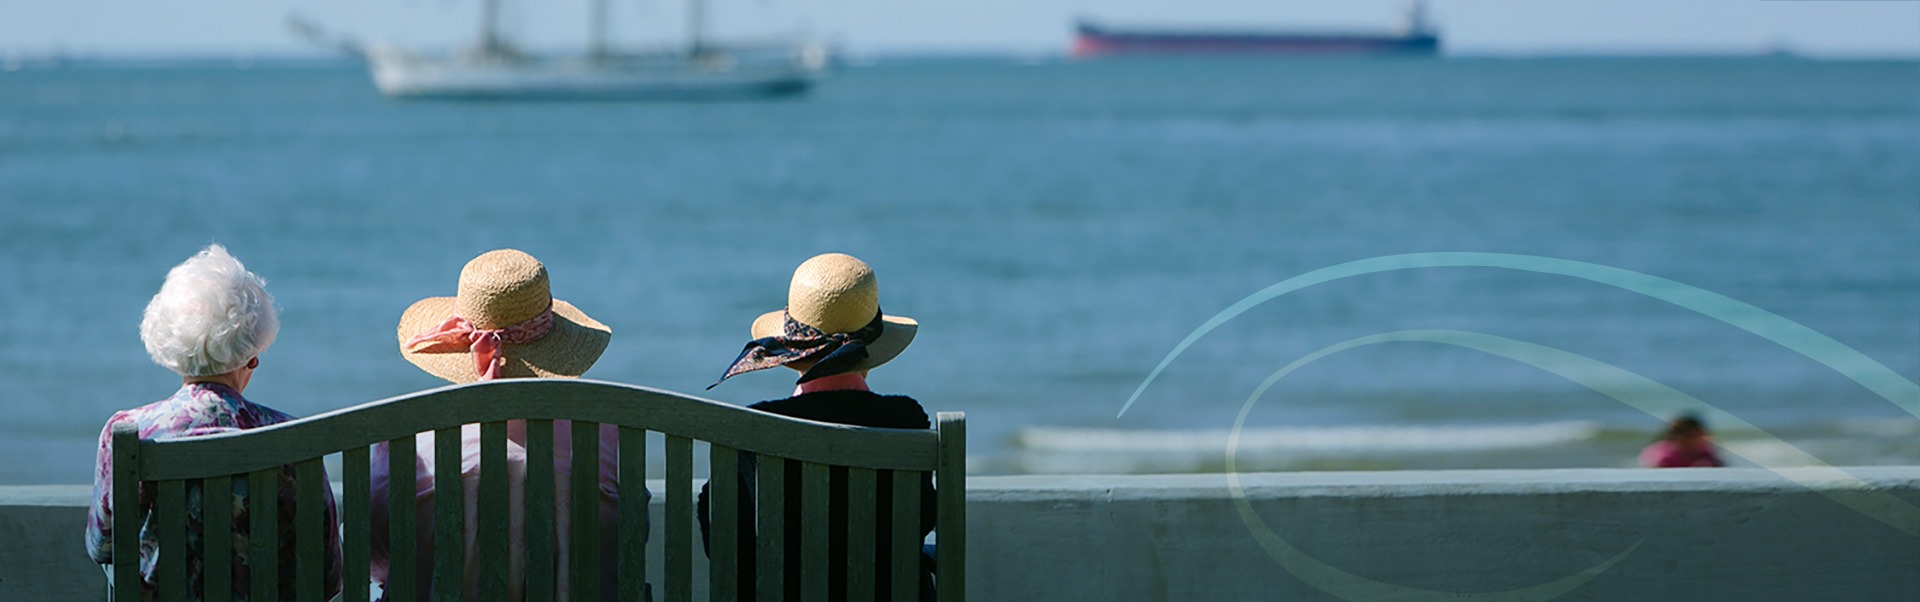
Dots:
pixel 484 344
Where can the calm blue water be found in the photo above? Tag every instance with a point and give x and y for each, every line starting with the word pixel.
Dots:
pixel 1056 228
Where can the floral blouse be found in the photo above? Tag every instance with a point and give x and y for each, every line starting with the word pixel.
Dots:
pixel 201 409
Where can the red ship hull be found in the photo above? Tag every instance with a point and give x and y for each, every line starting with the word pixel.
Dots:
pixel 1094 41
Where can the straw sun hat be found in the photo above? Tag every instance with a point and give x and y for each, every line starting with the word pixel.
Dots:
pixel 837 293
pixel 501 289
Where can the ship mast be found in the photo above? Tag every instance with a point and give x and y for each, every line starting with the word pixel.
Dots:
pixel 1416 20
pixel 597 33
pixel 490 28
pixel 696 27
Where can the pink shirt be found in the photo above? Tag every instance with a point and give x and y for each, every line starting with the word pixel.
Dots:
pixel 1674 454
pixel 516 487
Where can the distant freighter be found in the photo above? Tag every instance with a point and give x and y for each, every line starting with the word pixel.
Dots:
pixel 1416 38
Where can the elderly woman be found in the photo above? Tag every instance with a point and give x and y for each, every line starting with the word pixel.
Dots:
pixel 502 323
pixel 209 323
pixel 833 333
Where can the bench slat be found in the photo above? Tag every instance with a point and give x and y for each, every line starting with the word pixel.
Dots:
pixel 679 549
pixel 355 542
pixel 633 514
pixel 263 533
pixel 539 519
pixel 723 478
pixel 950 576
pixel 401 516
pixel 815 514
pixel 493 516
pixel 172 501
pixel 126 523
pixel 449 522
pixel 586 511
pixel 216 521
pixel 772 540
pixel 310 516
pixel 906 535
pixel 862 498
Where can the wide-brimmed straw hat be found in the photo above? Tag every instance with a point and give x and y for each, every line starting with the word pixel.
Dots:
pixel 837 293
pixel 501 289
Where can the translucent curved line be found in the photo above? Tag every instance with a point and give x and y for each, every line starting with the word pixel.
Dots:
pixel 1833 354
pixel 1637 391
pixel 1627 387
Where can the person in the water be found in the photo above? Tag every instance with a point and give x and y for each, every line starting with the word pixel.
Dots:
pixel 1685 443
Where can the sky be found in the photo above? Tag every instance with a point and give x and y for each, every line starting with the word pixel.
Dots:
pixel 1470 27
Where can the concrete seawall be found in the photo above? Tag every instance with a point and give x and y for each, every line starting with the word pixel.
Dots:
pixel 1697 534
pixel 1743 534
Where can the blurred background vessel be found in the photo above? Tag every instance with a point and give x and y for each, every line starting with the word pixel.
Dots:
pixel 495 69
pixel 1416 37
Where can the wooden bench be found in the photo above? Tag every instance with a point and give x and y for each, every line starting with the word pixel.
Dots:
pixel 258 455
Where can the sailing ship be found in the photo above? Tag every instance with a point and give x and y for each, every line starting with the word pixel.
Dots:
pixel 495 69
pixel 1416 37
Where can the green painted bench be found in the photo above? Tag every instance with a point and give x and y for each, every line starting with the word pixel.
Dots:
pixel 259 455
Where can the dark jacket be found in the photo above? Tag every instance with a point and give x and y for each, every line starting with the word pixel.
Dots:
pixel 858 408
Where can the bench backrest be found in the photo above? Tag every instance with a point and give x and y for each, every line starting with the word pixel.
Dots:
pixel 259 455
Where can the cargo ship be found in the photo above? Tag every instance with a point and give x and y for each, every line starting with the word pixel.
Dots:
pixel 1417 37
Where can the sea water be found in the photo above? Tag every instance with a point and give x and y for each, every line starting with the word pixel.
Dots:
pixel 1057 229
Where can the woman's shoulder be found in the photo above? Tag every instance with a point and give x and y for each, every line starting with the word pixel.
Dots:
pixel 149 417
pixel 1655 454
pixel 243 413
pixel 264 416
pixel 858 408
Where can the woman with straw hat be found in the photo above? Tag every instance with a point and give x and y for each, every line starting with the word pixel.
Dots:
pixel 502 323
pixel 832 332
pixel 209 324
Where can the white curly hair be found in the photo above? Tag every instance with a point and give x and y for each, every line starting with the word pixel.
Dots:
pixel 210 317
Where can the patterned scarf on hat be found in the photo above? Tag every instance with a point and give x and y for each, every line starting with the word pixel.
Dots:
pixel 837 353
pixel 485 345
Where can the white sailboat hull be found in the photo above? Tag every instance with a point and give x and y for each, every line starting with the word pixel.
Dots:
pixel 401 75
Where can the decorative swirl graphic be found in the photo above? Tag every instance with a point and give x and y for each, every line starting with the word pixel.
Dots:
pixel 1627 387
pixel 1821 348
pixel 1642 393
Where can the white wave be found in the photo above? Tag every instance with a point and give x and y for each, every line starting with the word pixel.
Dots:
pixel 1834 451
pixel 1342 440
pixel 1879 427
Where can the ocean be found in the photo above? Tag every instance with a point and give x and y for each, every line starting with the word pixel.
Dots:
pixel 1056 227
